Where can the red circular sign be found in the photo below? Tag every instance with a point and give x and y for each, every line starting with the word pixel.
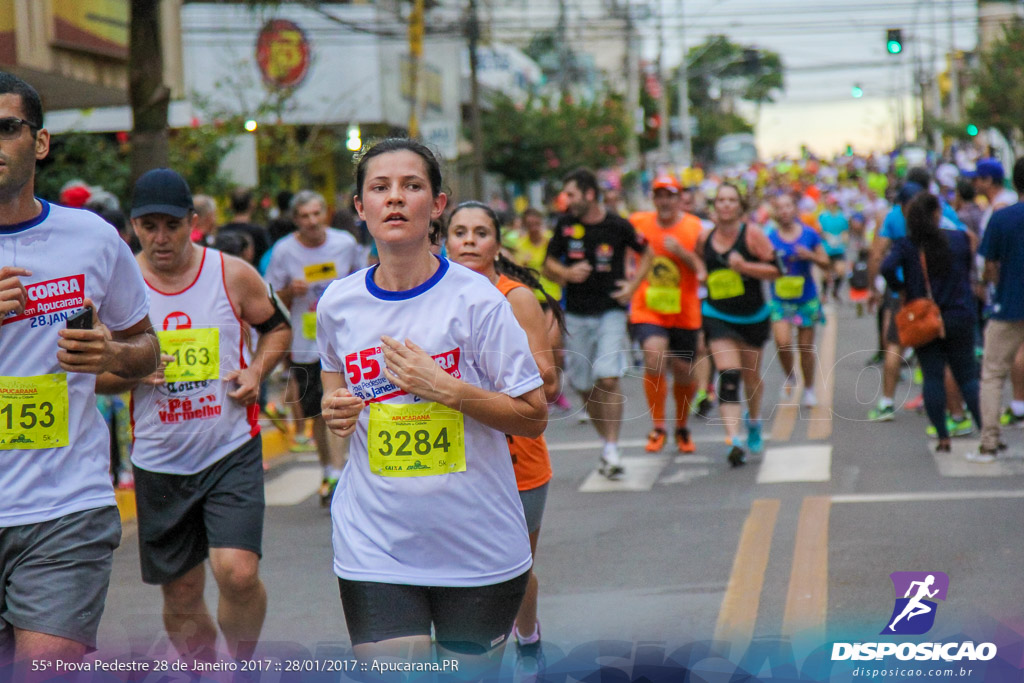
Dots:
pixel 282 52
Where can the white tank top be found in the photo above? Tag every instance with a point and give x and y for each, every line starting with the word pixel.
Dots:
pixel 186 425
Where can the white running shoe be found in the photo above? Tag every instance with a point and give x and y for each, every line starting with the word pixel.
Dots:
pixel 810 399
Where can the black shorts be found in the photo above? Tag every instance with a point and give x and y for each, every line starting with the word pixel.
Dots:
pixel 311 389
pixel 751 334
pixel 681 343
pixel 469 621
pixel 182 516
pixel 54 576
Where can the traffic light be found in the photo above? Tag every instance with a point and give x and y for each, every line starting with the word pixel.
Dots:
pixel 857 91
pixel 972 129
pixel 894 41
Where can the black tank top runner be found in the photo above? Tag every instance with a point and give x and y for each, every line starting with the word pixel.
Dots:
pixel 752 299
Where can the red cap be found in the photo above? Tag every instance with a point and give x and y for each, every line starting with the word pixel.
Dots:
pixel 666 182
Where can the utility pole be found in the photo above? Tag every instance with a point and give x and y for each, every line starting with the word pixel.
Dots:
pixel 663 108
pixel 632 89
pixel 473 31
pixel 684 95
pixel 936 95
pixel 415 59
pixel 563 49
pixel 954 71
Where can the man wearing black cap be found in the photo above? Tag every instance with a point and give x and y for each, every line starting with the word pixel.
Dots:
pixel 197 454
pixel 59 522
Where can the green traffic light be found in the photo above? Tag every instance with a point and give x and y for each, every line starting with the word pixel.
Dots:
pixel 894 47
pixel 972 129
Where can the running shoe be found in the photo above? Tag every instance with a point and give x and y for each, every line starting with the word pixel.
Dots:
pixel 943 447
pixel 562 403
pixel 655 440
pixel 735 456
pixel 704 405
pixel 810 399
pixel 915 404
pixel 684 442
pixel 698 398
pixel 874 360
pixel 302 444
pixel 610 471
pixel 530 660
pixel 982 456
pixel 918 376
pixel 327 487
pixel 882 414
pixel 755 441
pixel 962 427
pixel 1009 419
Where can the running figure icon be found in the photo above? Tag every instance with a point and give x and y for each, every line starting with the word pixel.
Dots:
pixel 915 606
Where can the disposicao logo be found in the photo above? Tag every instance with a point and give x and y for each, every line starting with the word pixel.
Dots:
pixel 914 611
pixel 913 614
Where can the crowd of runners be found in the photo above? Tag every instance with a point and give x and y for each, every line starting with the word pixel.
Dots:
pixel 427 344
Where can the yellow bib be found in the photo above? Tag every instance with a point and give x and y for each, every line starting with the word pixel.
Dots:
pixel 725 284
pixel 34 412
pixel 309 325
pixel 667 300
pixel 320 271
pixel 415 440
pixel 789 287
pixel 196 354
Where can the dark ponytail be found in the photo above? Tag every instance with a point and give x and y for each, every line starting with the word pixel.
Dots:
pixel 509 268
pixel 529 277
pixel 924 232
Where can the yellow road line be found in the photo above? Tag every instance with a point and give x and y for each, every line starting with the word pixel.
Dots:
pixel 820 425
pixel 807 598
pixel 738 615
pixel 784 422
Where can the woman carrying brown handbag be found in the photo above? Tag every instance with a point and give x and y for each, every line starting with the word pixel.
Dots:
pixel 948 253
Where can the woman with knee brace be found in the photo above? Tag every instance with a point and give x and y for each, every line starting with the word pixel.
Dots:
pixel 737 257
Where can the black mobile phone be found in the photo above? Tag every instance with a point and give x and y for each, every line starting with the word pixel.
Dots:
pixel 81 320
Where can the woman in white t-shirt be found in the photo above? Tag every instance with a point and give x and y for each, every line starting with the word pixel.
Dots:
pixel 427 369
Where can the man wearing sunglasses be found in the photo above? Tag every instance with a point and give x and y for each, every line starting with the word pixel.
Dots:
pixel 59 523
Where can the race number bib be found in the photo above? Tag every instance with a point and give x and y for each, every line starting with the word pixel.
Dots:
pixel 196 354
pixel 320 271
pixel 789 287
pixel 415 440
pixel 724 284
pixel 309 325
pixel 34 412
pixel 667 300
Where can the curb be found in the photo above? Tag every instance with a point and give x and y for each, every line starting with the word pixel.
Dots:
pixel 275 445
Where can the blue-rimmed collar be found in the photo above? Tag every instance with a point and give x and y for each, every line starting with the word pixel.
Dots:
pixel 406 294
pixel 30 223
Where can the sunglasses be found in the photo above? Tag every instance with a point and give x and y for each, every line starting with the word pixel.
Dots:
pixel 10 127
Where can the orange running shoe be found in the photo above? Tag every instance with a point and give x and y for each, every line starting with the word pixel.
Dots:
pixel 655 440
pixel 684 441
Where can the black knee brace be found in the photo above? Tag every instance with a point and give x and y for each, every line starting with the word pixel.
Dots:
pixel 729 386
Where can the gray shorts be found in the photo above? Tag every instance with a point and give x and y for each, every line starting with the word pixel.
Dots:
pixel 182 516
pixel 54 575
pixel 534 501
pixel 595 347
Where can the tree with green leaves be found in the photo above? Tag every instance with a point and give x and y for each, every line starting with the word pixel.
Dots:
pixel 525 142
pixel 720 74
pixel 999 85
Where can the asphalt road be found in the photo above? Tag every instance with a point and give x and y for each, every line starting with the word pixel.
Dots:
pixel 688 563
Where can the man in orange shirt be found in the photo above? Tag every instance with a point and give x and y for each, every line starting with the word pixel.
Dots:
pixel 665 311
